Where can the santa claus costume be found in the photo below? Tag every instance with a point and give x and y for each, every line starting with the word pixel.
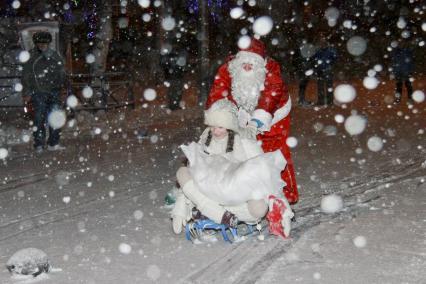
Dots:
pixel 253 81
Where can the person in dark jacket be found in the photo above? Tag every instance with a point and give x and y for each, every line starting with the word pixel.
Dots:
pixel 324 60
pixel 402 67
pixel 303 63
pixel 174 66
pixel 43 76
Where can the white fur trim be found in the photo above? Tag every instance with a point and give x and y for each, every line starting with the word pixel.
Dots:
pixel 248 55
pixel 282 112
pixel 265 117
pixel 223 113
pixel 220 119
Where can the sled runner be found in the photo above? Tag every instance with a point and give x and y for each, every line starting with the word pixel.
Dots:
pixel 195 229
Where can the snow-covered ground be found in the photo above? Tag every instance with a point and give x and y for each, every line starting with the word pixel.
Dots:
pixel 97 208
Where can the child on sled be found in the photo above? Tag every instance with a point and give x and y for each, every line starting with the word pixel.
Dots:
pixel 229 179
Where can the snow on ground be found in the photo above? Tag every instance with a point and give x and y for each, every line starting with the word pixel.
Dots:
pixel 97 208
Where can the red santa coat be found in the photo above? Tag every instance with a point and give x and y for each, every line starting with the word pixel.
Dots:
pixel 272 110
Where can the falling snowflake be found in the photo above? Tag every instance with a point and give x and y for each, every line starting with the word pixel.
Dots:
pixel 375 144
pixel 344 93
pixel 149 94
pixel 3 153
pixel 144 3
pixel 263 25
pixel 124 248
pixel 418 96
pixel 360 241
pixel 244 42
pixel 236 13
pixel 355 124
pixel 24 56
pixel 331 203
pixel 57 119
pixel 356 45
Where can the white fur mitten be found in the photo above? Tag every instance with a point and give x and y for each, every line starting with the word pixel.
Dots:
pixel 183 176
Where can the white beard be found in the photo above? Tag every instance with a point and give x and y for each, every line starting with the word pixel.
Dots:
pixel 247 85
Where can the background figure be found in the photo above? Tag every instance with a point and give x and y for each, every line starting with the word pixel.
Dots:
pixel 402 67
pixel 303 63
pixel 43 76
pixel 173 64
pixel 324 60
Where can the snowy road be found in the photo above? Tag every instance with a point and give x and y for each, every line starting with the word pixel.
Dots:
pixel 97 208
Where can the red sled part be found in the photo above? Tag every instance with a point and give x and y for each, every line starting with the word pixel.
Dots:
pixel 275 216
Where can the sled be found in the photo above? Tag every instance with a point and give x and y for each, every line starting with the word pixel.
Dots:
pixel 195 229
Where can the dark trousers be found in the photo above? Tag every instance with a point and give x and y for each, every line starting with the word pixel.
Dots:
pixel 304 80
pixel 174 92
pixel 325 88
pixel 43 104
pixel 400 80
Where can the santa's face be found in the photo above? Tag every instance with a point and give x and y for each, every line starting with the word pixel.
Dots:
pixel 247 69
pixel 219 132
pixel 248 72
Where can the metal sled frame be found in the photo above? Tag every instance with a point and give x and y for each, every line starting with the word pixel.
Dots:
pixel 200 225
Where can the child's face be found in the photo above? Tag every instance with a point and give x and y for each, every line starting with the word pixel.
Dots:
pixel 219 132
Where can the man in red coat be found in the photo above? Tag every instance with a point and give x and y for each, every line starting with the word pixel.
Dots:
pixel 253 82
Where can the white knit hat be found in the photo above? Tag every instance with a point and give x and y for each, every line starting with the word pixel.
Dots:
pixel 222 113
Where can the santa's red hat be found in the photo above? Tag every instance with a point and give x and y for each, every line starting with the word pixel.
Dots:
pixel 256 46
pixel 222 113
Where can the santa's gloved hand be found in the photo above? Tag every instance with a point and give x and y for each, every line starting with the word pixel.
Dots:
pixel 250 131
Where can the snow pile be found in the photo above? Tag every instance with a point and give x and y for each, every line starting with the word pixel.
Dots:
pixel 28 261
